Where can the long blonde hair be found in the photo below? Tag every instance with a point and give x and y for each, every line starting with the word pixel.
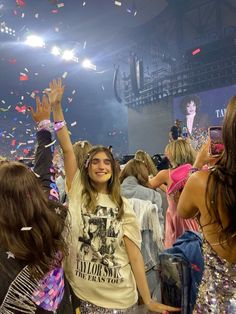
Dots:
pixel 89 192
pixel 180 152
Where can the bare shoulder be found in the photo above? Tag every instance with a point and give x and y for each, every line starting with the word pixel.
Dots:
pixel 199 179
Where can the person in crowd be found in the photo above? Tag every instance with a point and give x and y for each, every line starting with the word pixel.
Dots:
pixel 152 172
pixel 180 153
pixel 149 163
pixel 175 131
pixel 193 120
pixel 31 246
pixel 106 279
pixel 210 195
pixel 135 183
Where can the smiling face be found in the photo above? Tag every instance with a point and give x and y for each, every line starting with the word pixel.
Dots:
pixel 191 107
pixel 100 171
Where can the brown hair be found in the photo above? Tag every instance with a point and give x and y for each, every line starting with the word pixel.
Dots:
pixel 222 179
pixel 180 152
pixel 149 163
pixel 137 169
pixel 89 192
pixel 81 149
pixel 23 203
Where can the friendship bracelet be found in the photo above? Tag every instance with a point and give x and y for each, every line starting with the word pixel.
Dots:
pixel 44 125
pixel 58 125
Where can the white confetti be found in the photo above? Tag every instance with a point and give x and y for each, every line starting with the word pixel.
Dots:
pixel 30 142
pixel 65 75
pixel 25 228
pixel 60 5
pixel 50 144
pixel 73 123
pixel 118 3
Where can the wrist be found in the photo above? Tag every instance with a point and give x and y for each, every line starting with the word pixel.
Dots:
pixel 44 125
pixel 58 125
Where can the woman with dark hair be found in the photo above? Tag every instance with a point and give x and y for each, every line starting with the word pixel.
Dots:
pixel 104 282
pixel 31 246
pixel 32 223
pixel 211 195
pixel 189 107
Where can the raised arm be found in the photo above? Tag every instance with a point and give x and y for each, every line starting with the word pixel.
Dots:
pixel 55 97
pixel 44 154
pixel 162 177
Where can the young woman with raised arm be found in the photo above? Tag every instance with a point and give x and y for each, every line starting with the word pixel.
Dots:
pixel 104 264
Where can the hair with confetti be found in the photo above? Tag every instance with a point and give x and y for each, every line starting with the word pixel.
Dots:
pixel 222 179
pixel 81 149
pixel 23 204
pixel 113 185
pixel 180 152
pixel 142 155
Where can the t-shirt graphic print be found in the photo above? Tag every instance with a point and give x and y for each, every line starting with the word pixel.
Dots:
pixel 97 246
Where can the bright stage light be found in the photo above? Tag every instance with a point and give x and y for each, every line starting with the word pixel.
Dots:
pixel 56 51
pixel 88 64
pixel 34 41
pixel 68 55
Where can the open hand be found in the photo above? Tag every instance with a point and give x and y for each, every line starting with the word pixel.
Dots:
pixel 162 308
pixel 43 109
pixel 56 92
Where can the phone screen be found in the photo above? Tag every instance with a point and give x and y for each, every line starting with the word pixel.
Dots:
pixel 216 146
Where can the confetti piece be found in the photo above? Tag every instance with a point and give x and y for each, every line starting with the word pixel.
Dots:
pixel 60 5
pixel 20 3
pixel 85 44
pixel 30 142
pixel 50 144
pixel 65 75
pixel 23 77
pixel 84 3
pixel 73 123
pixel 54 11
pixel 5 109
pixel 73 92
pixel 118 3
pixel 26 229
pixel 21 109
pixel 13 142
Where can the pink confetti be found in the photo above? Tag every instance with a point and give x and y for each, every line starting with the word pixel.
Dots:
pixel 21 109
pixel 23 77
pixel 21 3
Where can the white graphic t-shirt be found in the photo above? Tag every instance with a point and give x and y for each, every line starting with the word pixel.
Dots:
pixel 98 267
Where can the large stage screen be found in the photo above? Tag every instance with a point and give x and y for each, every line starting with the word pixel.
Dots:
pixel 201 110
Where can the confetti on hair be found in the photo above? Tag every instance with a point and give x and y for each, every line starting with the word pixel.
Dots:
pixel 26 229
pixel 50 144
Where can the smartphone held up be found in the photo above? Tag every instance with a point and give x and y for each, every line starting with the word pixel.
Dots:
pixel 216 141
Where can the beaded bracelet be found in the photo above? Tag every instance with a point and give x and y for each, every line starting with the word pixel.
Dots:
pixel 58 125
pixel 44 125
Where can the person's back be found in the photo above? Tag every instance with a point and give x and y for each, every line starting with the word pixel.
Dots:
pixel 210 194
pixel 31 246
pixel 135 184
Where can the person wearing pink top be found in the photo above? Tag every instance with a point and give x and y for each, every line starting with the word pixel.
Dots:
pixel 181 156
